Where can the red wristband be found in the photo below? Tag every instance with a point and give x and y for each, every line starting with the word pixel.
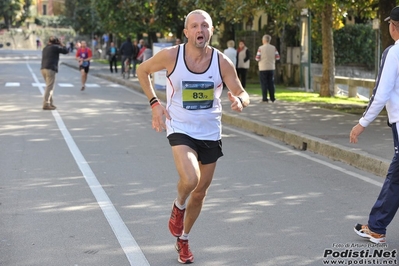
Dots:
pixel 155 104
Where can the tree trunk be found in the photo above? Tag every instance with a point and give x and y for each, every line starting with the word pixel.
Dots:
pixel 385 7
pixel 328 74
pixel 152 37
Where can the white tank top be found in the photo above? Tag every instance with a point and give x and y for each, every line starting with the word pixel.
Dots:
pixel 193 99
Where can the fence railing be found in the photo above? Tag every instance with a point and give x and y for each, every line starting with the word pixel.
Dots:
pixel 352 83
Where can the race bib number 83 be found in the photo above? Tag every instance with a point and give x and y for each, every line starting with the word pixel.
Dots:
pixel 197 94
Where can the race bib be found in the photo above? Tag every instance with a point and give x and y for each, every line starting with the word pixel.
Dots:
pixel 197 95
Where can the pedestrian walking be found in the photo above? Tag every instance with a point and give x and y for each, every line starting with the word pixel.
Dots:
pixel 49 68
pixel 196 72
pixel 84 55
pixel 266 56
pixel 231 52
pixel 38 43
pixel 140 44
pixel 112 57
pixel 243 61
pixel 144 54
pixel 385 93
pixel 126 51
pixel 147 52
pixel 71 46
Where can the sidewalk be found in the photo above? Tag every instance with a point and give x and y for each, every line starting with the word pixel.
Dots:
pixel 303 126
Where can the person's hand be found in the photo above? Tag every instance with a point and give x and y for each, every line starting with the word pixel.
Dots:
pixel 236 104
pixel 355 132
pixel 158 122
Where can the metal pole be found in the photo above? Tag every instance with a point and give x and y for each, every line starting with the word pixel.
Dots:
pixel 376 27
pixel 309 52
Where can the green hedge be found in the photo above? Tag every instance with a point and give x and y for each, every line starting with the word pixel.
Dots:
pixel 353 44
pixel 53 21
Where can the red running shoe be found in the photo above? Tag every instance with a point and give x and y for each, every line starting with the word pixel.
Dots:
pixel 176 221
pixel 185 255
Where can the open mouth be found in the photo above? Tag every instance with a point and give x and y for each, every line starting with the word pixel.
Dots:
pixel 200 38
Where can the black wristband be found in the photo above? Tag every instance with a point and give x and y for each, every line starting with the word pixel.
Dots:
pixel 153 102
pixel 242 103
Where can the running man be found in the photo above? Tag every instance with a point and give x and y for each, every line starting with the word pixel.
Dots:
pixel 84 55
pixel 195 72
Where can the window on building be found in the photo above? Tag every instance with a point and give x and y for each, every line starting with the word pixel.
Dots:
pixel 44 10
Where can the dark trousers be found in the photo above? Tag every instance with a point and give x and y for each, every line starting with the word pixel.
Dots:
pixel 387 202
pixel 112 62
pixel 267 84
pixel 124 57
pixel 242 75
pixel 135 62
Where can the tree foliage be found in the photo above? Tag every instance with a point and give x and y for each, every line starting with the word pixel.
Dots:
pixel 354 45
pixel 126 18
pixel 171 15
pixel 136 17
pixel 83 16
pixel 14 12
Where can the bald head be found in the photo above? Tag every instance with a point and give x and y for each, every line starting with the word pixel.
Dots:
pixel 199 12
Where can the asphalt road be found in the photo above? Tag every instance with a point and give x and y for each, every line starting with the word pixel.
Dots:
pixel 92 184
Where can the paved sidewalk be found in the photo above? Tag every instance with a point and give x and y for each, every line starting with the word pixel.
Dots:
pixel 303 126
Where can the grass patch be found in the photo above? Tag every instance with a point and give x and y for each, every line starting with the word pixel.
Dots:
pixel 339 103
pixel 101 61
pixel 106 62
pixel 292 95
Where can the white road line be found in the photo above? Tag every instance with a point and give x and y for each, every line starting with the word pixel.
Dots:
pixel 65 85
pixel 122 233
pixel 306 156
pixel 91 85
pixel 12 84
pixel 114 85
pixel 39 84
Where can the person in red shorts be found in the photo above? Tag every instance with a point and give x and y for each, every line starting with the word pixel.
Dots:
pixel 84 55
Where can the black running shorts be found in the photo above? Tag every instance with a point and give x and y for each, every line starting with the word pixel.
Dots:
pixel 208 151
pixel 86 69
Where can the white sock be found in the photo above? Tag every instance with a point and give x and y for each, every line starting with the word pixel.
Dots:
pixel 184 236
pixel 181 207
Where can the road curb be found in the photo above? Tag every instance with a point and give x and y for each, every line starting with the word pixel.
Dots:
pixel 300 141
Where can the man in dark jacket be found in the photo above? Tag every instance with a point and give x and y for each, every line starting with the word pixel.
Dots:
pixel 126 51
pixel 49 68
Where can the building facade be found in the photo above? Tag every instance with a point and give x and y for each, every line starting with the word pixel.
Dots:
pixel 49 7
